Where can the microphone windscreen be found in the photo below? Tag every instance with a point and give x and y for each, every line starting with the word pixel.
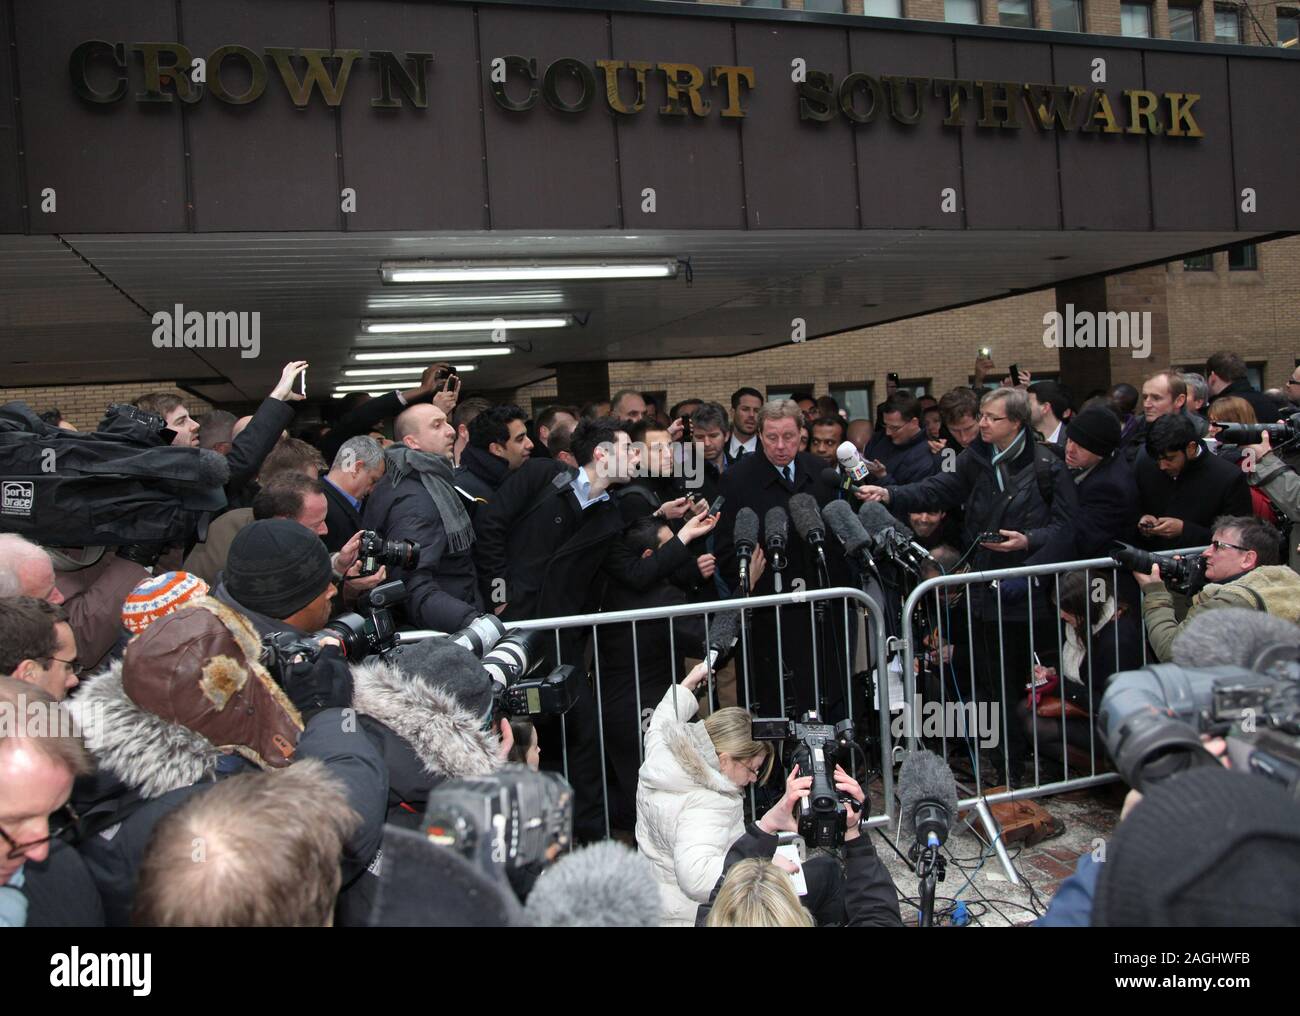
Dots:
pixel 422 884
pixel 807 519
pixel 846 452
pixel 776 524
pixel 605 885
pixel 924 776
pixel 832 477
pixel 746 528
pixel 724 629
pixel 845 525
pixel 1230 636
pixel 875 517
pixel 214 469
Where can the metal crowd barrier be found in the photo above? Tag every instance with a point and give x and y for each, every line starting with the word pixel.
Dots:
pixel 935 592
pixel 598 622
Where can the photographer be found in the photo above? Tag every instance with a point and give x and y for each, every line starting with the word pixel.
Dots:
pixel 755 891
pixel 689 795
pixel 1266 471
pixel 1242 569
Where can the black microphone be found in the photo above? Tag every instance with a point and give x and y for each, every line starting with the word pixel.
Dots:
pixel 807 520
pixel 927 795
pixel 837 478
pixel 776 535
pixel 724 630
pixel 891 536
pixel 744 536
pixel 849 531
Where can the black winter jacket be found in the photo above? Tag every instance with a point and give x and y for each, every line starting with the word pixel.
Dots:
pixel 1207 487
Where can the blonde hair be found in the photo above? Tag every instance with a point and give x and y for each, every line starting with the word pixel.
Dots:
pixel 731 730
pixel 757 894
pixel 1232 409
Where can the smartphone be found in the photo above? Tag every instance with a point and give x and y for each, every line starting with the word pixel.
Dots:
pixel 1146 525
pixel 985 352
pixel 1015 374
pixel 686 427
pixel 717 505
pixel 991 538
pixel 892 377
pixel 302 383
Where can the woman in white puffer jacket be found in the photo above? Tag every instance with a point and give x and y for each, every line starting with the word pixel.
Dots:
pixel 689 804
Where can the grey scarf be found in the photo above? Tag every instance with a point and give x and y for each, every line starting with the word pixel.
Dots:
pixel 436 475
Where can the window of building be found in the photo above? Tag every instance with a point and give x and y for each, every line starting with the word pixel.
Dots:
pixel 824 6
pixel 880 8
pixel 961 12
pixel 1199 263
pixel 1227 24
pixel 778 392
pixel 1243 258
pixel 1255 375
pixel 1067 15
pixel 992 382
pixel 1015 14
pixel 854 398
pixel 916 386
pixel 1288 28
pixel 762 3
pixel 1135 20
pixel 1184 22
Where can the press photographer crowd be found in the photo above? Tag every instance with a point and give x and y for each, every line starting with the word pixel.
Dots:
pixel 433 662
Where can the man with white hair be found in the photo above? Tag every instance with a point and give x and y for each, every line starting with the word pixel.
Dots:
pixel 356 469
pixel 25 570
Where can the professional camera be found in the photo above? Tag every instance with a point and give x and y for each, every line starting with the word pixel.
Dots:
pixel 816 748
pixel 510 823
pixel 511 660
pixel 360 636
pixel 1181 573
pixel 375 551
pixel 1280 433
pixel 1152 718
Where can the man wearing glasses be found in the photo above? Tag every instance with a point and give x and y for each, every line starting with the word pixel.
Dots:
pixel 1242 569
pixel 42 881
pixel 37 645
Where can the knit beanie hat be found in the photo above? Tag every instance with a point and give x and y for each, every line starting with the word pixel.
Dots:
pixel 276 567
pixel 441 663
pixel 1206 848
pixel 158 596
pixel 1096 429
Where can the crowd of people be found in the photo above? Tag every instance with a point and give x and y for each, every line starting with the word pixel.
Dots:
pixel 189 731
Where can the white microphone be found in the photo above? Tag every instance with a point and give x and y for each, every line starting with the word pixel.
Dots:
pixel 851 462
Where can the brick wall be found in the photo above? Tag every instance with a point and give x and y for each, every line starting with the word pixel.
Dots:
pixel 84 405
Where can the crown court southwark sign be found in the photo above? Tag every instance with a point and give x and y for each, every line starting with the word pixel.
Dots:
pixel 167 72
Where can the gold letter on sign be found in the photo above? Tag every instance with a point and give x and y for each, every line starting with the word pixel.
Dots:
pixel 1049 102
pixel 1180 113
pixel 1009 103
pixel 1142 106
pixel 733 76
pixel 156 72
pixel 1099 112
pixel 300 91
pixel 611 69
pixel 674 87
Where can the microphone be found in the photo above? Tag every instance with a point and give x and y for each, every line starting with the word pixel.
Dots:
pixel 848 530
pixel 927 795
pixel 605 885
pixel 776 535
pixel 807 520
pixel 852 463
pixel 744 536
pixel 890 535
pixel 837 478
pixel 724 630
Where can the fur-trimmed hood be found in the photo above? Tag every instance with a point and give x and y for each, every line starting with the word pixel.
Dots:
pixel 444 735
pixel 150 755
pixel 691 763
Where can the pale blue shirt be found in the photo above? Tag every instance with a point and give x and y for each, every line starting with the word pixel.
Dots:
pixel 581 487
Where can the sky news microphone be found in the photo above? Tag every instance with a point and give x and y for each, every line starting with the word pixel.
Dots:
pixel 927 796
pixel 890 535
pixel 776 537
pixel 852 463
pixel 744 537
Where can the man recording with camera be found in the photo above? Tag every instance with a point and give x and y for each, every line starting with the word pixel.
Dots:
pixel 1242 568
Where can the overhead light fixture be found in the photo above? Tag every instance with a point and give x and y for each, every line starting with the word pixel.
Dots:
pixel 434 355
pixel 395 372
pixel 526 271
pixel 395 326
pixel 399 301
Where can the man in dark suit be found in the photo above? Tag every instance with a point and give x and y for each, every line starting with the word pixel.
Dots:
pixel 1049 412
pixel 1226 373
pixel 357 468
pixel 766 479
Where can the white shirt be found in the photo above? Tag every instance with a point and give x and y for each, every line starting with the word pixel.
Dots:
pixel 735 447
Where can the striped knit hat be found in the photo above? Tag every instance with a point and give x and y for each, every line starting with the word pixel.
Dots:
pixel 158 596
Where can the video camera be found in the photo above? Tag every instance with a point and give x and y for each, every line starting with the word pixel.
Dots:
pixel 816 748
pixel 375 552
pixel 511 823
pixel 1152 718
pixel 360 636
pixel 1181 573
pixel 1280 433
pixel 510 660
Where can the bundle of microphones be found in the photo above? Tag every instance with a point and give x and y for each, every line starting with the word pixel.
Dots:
pixel 867 537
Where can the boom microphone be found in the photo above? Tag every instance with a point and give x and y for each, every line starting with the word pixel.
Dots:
pixel 605 885
pixel 776 536
pixel 851 462
pixel 927 796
